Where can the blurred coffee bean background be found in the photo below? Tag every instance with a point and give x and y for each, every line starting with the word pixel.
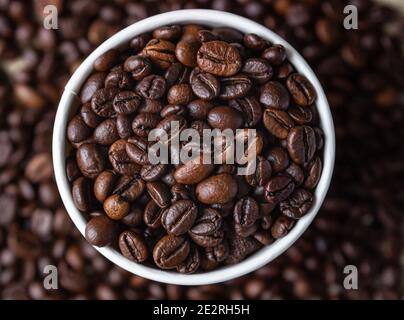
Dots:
pixel 360 224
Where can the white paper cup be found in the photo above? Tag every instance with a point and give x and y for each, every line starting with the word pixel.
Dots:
pixel 69 104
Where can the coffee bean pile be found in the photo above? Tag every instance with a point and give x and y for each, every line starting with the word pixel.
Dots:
pixel 193 215
pixel 359 224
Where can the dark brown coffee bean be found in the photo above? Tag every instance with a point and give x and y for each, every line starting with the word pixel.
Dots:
pixel 208 223
pixel 301 144
pixel 167 32
pixel 281 227
pixel 219 58
pixel 119 79
pixel 206 35
pixel 301 115
pixel 278 189
pixel 126 102
pixel 218 253
pixel 180 217
pixel 297 205
pixel 77 130
pixel 313 173
pixel 107 60
pixel 199 109
pixel 193 171
pixel 139 67
pixel 224 117
pixel 170 127
pixel 177 73
pixel 120 160
pixel 217 189
pixel 254 42
pixel 106 132
pixel 102 101
pixel 124 126
pixel 136 148
pixel 89 117
pixel 277 122
pixel 250 109
pixel 274 95
pixel 100 231
pixel 72 169
pixel 275 54
pixel 150 106
pixel 152 172
pixel 129 187
pixel 210 240
pixel 296 173
pixel 191 263
pixel 152 215
pixel 261 174
pixel 104 185
pixel 144 122
pixel 240 248
pixel 92 84
pixel 90 160
pixel 170 110
pixel 133 246
pixel 301 89
pixel 225 209
pixel 246 212
pixel 152 87
pixel 138 43
pixel 160 52
pixel 81 193
pixel 263 236
pixel 245 231
pixel 284 70
pixel 134 218
pixel 258 70
pixel 234 87
pixel 228 34
pixel 180 94
pixel 279 159
pixel 179 192
pixel 204 85
pixel 170 251
pixel 319 138
pixel 160 193
pixel 116 207
pixel 186 52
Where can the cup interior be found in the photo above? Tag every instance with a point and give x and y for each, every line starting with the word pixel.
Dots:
pixel 70 102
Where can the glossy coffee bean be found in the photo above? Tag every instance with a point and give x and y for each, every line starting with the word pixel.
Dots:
pixel 233 87
pixel 208 223
pixel 210 240
pixel 116 207
pixel 77 130
pixel 90 160
pixel 104 185
pixel 254 42
pixel 152 215
pixel 275 54
pixel 81 193
pixel 314 173
pixel 100 231
pixel 296 173
pixel 151 87
pixel 136 148
pixel 153 172
pixel 218 253
pixel 159 192
pixel 118 79
pixel 144 122
pixel 301 89
pixel 246 212
pixel 170 251
pixel 126 102
pixel 186 52
pixel 180 94
pixel 217 189
pixel 179 217
pixel 88 116
pixel 277 122
pixel 134 218
pixel 274 95
pixel 139 67
pixel 261 174
pixel 300 115
pixel 102 101
pixel 132 246
pixel 191 263
pixel 92 84
pixel 297 205
pixel 199 109
pixel 281 227
pixel 250 108
pixel 129 187
pixel 259 70
pixel 204 85
pixel 177 73
pixel 279 159
pixel 120 160
pixel 278 189
pixel 107 60
pixel 301 144
pixel 106 132
pixel 160 52
pixel 193 171
pixel 224 117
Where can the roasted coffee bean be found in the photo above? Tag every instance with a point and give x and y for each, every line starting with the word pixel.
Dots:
pixel 199 109
pixel 179 217
pixel 300 115
pixel 77 130
pixel 126 102
pixel 139 67
pixel 240 248
pixel 81 193
pixel 274 95
pixel 102 101
pixel 250 109
pixel 217 189
pixel 208 223
pixel 120 160
pixel 170 110
pixel 296 173
pixel 261 174
pixel 254 42
pixel 104 185
pixel 297 205
pixel 313 173
pixel 277 122
pixel 284 70
pixel 167 32
pixel 263 236
pixel 224 117
pixel 179 192
pixel 258 70
pixel 193 171
pixel 191 263
pixel 119 79
pixel 116 207
pixel 279 159
pixel 150 106
pixel 180 94
pixel 186 52
pixel 301 89
pixel 88 116
pixel 278 189
pixel 177 73
pixel 275 54
pixel 228 34
pixel 92 84
pixel 210 240
pixel 170 251
pixel 218 253
pixel 136 148
pixel 301 144
pixel 206 35
pixel 152 87
pixel 90 160
pixel 144 122
pixel 72 169
pixel 151 173
pixel 160 52
pixel 129 187
pixel 170 127
pixel 132 246
pixel 281 227
pixel 319 138
pixel 139 42
pixel 107 60
pixel 100 231
pixel 246 212
pixel 152 215
pixel 234 87
pixel 245 231
pixel 219 58
pixel 204 85
pixel 159 192
pixel 106 132
pixel 134 218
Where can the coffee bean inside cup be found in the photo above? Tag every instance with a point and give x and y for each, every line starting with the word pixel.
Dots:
pixel 199 214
